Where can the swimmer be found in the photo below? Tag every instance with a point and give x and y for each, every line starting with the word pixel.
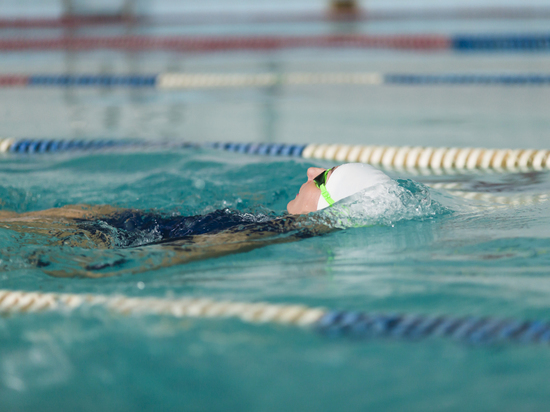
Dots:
pixel 181 239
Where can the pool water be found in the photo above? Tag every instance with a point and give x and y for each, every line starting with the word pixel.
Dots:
pixel 459 257
pixel 431 247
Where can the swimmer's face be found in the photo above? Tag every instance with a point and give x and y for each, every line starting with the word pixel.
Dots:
pixel 307 198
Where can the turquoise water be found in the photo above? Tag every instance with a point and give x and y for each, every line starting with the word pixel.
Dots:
pixel 428 251
pixel 455 257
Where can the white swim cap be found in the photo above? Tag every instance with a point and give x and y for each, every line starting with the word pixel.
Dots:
pixel 349 179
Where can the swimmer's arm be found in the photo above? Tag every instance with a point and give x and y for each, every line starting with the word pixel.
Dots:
pixel 65 213
pixel 59 226
pixel 189 249
pixel 236 241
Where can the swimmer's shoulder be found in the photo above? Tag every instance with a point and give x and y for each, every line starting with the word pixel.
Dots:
pixel 300 225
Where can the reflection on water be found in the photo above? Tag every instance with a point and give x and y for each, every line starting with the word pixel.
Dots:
pixel 269 111
pixel 324 113
pixel 137 101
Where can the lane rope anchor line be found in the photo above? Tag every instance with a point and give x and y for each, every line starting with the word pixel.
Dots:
pixel 168 81
pixel 469 329
pixel 212 43
pixel 414 160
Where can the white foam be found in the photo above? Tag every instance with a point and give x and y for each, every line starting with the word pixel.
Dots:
pixel 383 204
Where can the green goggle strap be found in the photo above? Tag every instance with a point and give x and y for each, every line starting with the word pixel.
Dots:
pixel 324 191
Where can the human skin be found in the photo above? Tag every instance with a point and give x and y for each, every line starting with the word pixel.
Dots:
pixel 308 197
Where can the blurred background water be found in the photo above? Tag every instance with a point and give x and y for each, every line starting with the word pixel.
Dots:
pixel 400 115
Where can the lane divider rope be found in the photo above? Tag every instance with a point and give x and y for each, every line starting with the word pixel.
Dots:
pixel 458 43
pixel 31 146
pixel 415 160
pixel 440 159
pixel 469 329
pixel 227 43
pixel 167 81
pixel 514 200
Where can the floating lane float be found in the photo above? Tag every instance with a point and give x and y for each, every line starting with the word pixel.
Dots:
pixel 32 146
pixel 167 81
pixel 457 43
pixel 335 323
pixel 494 200
pixel 416 160
pixel 204 44
pixel 428 160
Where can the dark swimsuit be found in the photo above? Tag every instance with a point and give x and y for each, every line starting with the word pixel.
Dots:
pixel 136 228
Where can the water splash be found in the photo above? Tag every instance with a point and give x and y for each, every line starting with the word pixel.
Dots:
pixel 384 204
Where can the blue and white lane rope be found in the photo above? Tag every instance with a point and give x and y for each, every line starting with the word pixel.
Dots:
pixel 468 79
pixel 469 43
pixel 406 158
pixel 414 159
pixel 93 80
pixel 182 81
pixel 38 146
pixel 473 329
pixel 167 81
pixel 53 145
